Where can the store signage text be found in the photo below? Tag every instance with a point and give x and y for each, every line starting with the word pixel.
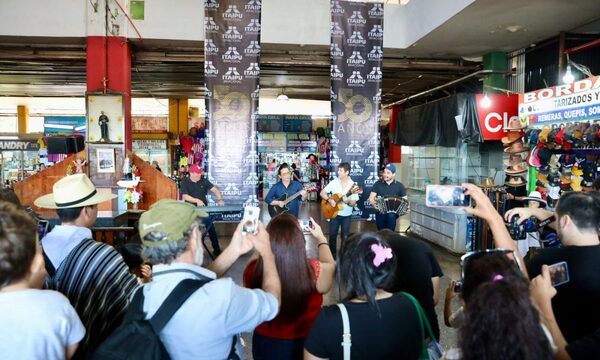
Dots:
pixel 495 118
pixel 18 145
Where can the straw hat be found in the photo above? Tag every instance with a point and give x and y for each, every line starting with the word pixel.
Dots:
pixel 516 124
pixel 515 181
pixel 516 169
pixel 511 137
pixel 487 182
pixel 73 191
pixel 516 147
pixel 514 159
pixel 535 196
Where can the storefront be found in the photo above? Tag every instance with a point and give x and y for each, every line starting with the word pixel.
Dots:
pixel 18 159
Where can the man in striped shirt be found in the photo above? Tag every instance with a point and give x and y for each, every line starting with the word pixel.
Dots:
pixel 92 275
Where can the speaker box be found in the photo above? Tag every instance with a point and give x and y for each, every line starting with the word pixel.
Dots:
pixel 65 144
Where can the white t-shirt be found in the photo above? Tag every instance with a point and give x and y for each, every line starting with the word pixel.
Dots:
pixel 37 324
pixel 335 187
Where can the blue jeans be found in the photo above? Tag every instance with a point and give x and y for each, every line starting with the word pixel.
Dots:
pixel 386 221
pixel 334 225
pixel 212 234
pixel 268 348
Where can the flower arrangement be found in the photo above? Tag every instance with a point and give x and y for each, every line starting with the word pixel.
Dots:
pixel 133 196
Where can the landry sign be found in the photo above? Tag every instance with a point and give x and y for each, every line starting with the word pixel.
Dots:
pixel 18 145
pixel 495 118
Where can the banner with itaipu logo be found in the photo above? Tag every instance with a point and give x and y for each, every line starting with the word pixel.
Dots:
pixel 356 57
pixel 231 72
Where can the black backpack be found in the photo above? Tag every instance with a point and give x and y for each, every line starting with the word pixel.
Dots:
pixel 138 338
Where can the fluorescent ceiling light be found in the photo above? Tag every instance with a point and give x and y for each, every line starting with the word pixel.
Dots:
pixel 59 126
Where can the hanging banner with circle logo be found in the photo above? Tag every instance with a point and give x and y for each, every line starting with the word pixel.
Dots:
pixel 231 72
pixel 356 56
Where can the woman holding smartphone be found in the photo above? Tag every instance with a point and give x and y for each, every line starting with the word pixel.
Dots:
pixel 303 281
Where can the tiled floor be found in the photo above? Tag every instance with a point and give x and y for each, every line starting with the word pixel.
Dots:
pixel 448 262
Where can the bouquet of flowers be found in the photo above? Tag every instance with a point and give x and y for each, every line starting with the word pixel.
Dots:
pixel 133 196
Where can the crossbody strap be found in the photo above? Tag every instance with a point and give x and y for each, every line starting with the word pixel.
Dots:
pixel 426 330
pixel 346 335
pixel 173 302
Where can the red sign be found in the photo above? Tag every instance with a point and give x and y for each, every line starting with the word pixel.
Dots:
pixel 494 118
pixel 149 124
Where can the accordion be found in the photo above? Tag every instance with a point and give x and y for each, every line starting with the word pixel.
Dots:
pixel 392 204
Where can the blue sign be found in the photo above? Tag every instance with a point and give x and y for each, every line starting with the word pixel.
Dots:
pixel 54 125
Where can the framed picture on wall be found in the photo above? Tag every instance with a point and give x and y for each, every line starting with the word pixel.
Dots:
pixel 105 160
pixel 105 118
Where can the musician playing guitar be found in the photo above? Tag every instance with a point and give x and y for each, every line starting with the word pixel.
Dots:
pixel 389 186
pixel 340 186
pixel 286 186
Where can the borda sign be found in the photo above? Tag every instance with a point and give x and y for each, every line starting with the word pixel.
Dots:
pixel 494 119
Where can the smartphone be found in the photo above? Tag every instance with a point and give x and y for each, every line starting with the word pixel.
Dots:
pixel 306 225
pixel 458 286
pixel 446 196
pixel 42 227
pixel 559 273
pixel 250 220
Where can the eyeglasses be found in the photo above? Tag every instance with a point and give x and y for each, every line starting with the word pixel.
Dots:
pixel 477 254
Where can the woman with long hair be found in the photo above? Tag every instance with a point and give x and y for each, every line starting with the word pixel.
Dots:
pixel 500 321
pixel 382 325
pixel 303 281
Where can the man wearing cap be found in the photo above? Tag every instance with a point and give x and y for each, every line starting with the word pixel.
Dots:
pixel 194 190
pixel 286 186
pixel 206 323
pixel 577 223
pixel 388 186
pixel 92 275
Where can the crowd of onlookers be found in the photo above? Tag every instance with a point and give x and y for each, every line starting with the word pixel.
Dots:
pixel 510 310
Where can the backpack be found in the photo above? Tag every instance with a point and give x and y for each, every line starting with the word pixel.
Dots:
pixel 138 338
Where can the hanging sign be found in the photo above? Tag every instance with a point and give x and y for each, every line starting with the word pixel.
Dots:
pixel 149 144
pixel 562 103
pixel 149 124
pixel 494 118
pixel 356 58
pixel 231 73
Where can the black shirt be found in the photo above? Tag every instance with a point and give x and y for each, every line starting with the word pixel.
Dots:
pixel 382 188
pixel 393 332
pixel 576 304
pixel 416 265
pixel 197 189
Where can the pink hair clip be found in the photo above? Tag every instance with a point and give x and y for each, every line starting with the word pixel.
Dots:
pixel 498 278
pixel 381 254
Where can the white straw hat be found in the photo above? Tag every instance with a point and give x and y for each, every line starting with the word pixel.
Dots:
pixel 73 191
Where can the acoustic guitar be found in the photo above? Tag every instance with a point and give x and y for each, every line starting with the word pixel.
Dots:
pixel 329 211
pixel 275 210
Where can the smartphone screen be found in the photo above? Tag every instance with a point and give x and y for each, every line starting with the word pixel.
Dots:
pixel 250 219
pixel 559 273
pixel 446 196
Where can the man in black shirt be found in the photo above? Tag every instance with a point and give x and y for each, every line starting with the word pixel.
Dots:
pixel 384 188
pixel 577 223
pixel 417 272
pixel 194 190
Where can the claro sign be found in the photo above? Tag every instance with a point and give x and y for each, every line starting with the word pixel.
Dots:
pixel 8 145
pixel 494 119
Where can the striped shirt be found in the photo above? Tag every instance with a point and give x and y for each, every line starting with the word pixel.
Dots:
pixel 98 284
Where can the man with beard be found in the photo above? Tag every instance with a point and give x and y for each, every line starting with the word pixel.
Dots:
pixel 206 323
pixel 389 186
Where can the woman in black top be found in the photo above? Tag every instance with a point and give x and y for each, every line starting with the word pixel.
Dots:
pixel 383 325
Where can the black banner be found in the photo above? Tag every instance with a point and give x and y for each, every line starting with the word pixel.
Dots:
pixel 231 71
pixel 356 57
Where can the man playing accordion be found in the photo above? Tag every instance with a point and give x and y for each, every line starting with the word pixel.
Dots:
pixel 388 197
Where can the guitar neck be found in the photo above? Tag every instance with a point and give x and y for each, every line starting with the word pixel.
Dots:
pixel 287 201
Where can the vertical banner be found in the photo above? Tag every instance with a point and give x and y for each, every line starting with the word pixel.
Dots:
pixel 231 72
pixel 356 56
